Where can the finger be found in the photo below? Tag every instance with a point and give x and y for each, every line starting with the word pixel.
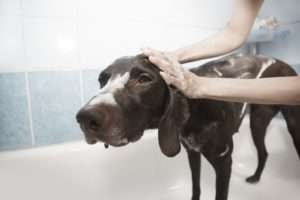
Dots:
pixel 170 80
pixel 175 69
pixel 165 66
pixel 180 71
pixel 174 64
pixel 161 63
pixel 156 53
pixel 146 51
pixel 167 78
pixel 151 52
pixel 169 57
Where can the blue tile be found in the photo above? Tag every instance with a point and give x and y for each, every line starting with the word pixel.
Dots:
pixel 14 121
pixel 285 48
pixel 55 98
pixel 90 83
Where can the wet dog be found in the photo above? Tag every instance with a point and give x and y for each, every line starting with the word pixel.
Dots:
pixel 133 97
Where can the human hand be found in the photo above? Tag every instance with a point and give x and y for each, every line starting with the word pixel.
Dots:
pixel 173 73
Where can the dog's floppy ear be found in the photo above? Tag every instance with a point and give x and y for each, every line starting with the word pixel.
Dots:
pixel 175 115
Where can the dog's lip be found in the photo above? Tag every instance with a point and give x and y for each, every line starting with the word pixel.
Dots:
pixel 120 140
pixel 135 138
pixel 91 142
pixel 113 140
pixel 116 140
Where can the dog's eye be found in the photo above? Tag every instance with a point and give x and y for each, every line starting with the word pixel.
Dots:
pixel 144 78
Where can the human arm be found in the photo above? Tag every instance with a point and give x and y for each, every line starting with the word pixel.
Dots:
pixel 276 90
pixel 230 38
pixel 279 90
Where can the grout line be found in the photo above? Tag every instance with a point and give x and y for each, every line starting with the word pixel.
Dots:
pixel 27 82
pixel 29 109
pixel 81 88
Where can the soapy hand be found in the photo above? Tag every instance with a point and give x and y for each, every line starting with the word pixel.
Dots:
pixel 173 73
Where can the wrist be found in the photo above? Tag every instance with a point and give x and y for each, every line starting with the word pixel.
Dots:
pixel 198 86
pixel 203 85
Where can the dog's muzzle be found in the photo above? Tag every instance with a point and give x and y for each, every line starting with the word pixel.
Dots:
pixel 99 124
pixel 90 120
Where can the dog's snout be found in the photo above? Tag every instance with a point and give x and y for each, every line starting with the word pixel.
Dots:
pixel 90 119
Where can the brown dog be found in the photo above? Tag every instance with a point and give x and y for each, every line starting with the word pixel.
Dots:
pixel 133 98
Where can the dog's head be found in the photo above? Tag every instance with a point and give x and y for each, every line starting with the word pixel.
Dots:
pixel 133 97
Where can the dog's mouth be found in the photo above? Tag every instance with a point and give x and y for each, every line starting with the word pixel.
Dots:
pixel 113 141
pixel 116 137
pixel 116 141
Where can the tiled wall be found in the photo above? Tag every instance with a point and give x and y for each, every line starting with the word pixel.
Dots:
pixel 51 52
pixel 43 35
pixel 14 127
pixel 39 35
pixel 39 108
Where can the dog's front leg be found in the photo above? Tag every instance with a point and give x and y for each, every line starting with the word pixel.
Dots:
pixel 195 165
pixel 222 167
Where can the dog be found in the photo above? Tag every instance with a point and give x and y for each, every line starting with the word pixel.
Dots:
pixel 133 97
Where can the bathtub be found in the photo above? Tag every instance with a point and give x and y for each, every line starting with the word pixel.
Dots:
pixel 77 171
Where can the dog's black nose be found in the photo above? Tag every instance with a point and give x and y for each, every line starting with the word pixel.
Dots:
pixel 90 118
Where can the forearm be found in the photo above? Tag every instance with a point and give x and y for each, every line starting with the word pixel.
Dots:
pixel 230 38
pixel 216 45
pixel 279 90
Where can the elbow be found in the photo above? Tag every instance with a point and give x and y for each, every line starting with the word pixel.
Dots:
pixel 236 37
pixel 237 40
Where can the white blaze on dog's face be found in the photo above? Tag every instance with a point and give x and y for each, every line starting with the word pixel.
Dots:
pixel 131 99
pixel 100 110
pixel 106 94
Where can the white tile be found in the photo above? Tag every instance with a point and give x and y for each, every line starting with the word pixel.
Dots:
pixel 10 7
pixel 200 13
pixel 106 29
pixel 11 43
pixel 92 8
pixel 49 7
pixel 50 43
pixel 102 41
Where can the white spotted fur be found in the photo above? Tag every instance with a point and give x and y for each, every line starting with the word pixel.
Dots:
pixel 263 68
pixel 106 94
pixel 217 71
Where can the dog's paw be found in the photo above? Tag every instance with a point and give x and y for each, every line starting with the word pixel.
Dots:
pixel 252 179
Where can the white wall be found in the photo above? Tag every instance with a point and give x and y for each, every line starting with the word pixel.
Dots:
pixel 77 34
pixel 72 34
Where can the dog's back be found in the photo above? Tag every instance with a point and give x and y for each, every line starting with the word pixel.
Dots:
pixel 237 66
pixel 230 115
